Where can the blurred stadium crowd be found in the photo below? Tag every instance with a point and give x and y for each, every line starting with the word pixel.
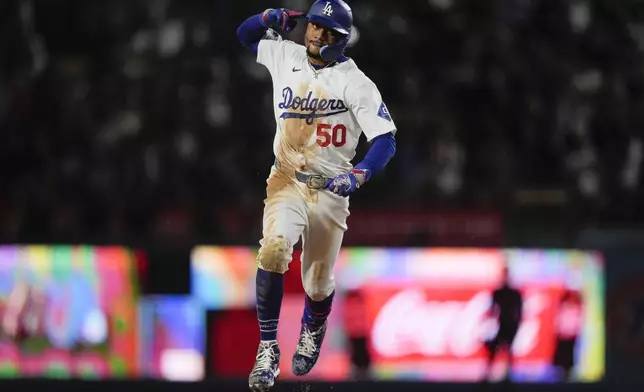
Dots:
pixel 122 117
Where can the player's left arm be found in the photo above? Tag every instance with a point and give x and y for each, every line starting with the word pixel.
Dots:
pixel 366 104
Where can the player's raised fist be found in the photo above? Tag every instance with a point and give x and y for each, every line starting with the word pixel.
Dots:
pixel 281 18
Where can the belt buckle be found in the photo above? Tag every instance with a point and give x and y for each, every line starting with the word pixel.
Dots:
pixel 315 181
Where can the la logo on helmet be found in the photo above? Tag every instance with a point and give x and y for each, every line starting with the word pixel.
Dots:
pixel 328 9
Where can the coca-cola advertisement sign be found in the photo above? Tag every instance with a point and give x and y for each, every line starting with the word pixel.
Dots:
pixel 428 314
pixel 413 323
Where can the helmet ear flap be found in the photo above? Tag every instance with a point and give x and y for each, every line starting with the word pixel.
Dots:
pixel 339 36
pixel 335 51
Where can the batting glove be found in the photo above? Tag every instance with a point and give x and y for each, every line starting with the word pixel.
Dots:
pixel 347 183
pixel 281 18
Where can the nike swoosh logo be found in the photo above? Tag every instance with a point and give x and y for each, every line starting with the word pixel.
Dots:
pixel 296 70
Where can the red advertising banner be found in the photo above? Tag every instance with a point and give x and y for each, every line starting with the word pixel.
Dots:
pixel 450 325
pixel 459 228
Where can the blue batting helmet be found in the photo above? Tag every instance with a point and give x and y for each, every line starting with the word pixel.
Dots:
pixel 333 14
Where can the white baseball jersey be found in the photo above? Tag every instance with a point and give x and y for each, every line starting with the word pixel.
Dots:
pixel 320 114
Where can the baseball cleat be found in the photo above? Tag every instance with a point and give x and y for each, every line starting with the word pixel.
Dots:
pixel 308 348
pixel 266 369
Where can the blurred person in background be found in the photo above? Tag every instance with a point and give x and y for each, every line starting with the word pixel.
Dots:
pixel 507 310
pixel 24 313
pixel 357 329
pixel 14 308
pixel 569 323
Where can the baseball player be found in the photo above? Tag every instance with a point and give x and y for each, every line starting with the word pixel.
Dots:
pixel 323 103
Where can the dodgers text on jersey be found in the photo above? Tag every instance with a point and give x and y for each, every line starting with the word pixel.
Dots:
pixel 309 108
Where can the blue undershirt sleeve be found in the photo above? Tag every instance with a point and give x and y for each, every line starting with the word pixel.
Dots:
pixel 251 31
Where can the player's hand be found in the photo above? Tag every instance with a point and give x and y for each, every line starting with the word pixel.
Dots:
pixel 347 183
pixel 281 18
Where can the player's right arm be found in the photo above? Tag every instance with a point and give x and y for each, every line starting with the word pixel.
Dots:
pixel 253 29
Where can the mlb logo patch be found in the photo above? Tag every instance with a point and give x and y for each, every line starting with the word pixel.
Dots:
pixel 383 112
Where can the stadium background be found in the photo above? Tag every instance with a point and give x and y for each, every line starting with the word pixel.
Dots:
pixel 142 129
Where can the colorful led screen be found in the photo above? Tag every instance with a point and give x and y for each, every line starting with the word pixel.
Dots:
pixel 427 314
pixel 68 312
pixel 172 338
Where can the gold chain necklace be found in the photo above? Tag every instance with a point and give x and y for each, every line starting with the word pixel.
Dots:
pixel 316 72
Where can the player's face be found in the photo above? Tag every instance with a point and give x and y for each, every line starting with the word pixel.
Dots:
pixel 317 37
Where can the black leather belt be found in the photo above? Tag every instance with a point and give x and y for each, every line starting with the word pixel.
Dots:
pixel 312 181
